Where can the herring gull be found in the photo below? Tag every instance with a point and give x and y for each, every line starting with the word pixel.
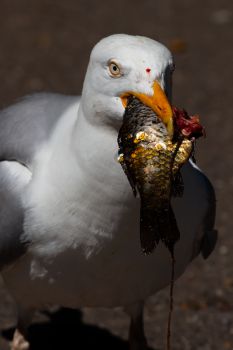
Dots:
pixel 69 224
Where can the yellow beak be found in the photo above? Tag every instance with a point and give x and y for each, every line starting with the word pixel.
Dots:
pixel 158 102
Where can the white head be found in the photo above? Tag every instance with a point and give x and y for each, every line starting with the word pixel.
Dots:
pixel 121 65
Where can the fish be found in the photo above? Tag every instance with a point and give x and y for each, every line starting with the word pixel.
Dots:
pixel 152 160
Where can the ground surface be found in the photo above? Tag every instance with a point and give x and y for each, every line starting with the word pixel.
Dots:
pixel 44 45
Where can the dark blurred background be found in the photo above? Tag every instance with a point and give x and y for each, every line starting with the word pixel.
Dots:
pixel 45 46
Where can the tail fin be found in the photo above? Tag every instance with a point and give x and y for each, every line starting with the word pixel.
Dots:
pixel 158 224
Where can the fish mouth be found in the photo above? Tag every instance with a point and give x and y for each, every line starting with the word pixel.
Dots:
pixel 158 102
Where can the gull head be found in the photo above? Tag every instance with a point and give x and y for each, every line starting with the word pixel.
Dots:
pixel 121 65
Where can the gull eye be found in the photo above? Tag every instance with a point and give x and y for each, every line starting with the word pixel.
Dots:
pixel 114 69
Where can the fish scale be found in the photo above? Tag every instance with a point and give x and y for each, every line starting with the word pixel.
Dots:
pixel 151 161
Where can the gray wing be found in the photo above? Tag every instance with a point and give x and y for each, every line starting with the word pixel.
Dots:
pixel 210 235
pixel 24 127
pixel 207 236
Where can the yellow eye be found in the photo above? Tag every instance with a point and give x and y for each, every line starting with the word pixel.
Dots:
pixel 114 69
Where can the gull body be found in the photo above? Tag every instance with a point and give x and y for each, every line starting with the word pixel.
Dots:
pixel 70 223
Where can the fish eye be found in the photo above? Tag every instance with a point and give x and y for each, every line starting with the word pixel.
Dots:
pixel 114 69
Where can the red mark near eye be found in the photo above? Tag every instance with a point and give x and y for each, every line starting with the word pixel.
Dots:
pixel 148 70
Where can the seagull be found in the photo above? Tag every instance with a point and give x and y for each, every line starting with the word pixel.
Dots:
pixel 69 223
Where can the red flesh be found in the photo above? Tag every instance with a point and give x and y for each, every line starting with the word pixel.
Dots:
pixel 187 126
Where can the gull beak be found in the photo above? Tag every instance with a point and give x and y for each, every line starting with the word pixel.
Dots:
pixel 158 102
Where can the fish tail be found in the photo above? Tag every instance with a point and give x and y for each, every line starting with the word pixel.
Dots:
pixel 170 233
pixel 158 223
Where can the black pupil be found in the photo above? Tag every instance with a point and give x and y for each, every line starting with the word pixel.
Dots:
pixel 114 68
